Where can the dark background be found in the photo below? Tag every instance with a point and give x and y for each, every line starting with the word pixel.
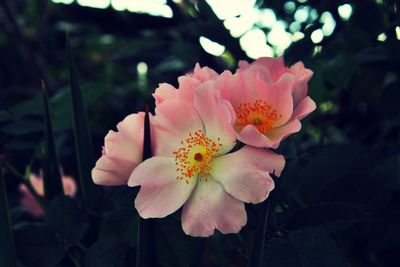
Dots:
pixel 337 202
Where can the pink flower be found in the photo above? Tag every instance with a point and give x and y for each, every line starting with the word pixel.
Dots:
pixel 29 202
pixel 187 85
pixel 269 100
pixel 192 167
pixel 122 152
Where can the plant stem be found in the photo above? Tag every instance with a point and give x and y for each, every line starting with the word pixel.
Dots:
pixel 257 248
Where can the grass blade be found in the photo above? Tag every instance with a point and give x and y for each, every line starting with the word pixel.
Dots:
pixel 145 254
pixel 82 133
pixel 51 168
pixel 7 249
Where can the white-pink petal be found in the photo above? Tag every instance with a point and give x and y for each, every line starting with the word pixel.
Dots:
pixel 245 173
pixel 160 193
pixel 209 208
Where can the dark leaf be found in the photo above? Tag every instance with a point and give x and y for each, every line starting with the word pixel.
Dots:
pixel 66 219
pixel 330 216
pixel 121 224
pixel 51 169
pixel 107 252
pixel 311 247
pixel 83 139
pixel 174 247
pixel 22 127
pixel 38 245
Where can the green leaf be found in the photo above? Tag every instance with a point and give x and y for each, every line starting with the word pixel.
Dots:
pixel 38 245
pixel 67 220
pixel 83 139
pixel 51 172
pixel 146 245
pixel 7 251
pixel 107 252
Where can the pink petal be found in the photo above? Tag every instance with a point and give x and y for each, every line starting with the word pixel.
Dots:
pixel 187 85
pixel 217 116
pixel 232 88
pixel 250 135
pixel 69 185
pixel 37 183
pixel 127 143
pixel 29 202
pixel 203 73
pixel 122 152
pixel 111 171
pixel 163 92
pixel 173 122
pixel 303 75
pixel 278 134
pixel 305 107
pixel 209 208
pixel 160 193
pixel 278 95
pixel 244 173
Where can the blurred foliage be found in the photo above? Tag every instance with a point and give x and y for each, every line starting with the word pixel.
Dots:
pixel 337 202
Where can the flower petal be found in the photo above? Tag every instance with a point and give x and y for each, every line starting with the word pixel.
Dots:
pixel 111 171
pixel 160 193
pixel 233 87
pixel 173 122
pixel 28 201
pixel 278 95
pixel 278 134
pixel 250 135
pixel 69 186
pixel 305 107
pixel 163 92
pixel 303 75
pixel 203 73
pixel 244 173
pixel 217 116
pixel 127 143
pixel 209 208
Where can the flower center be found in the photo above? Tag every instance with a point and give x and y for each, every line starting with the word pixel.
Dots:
pixel 195 155
pixel 259 114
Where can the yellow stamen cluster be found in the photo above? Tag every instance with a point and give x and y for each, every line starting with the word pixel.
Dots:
pixel 259 114
pixel 195 155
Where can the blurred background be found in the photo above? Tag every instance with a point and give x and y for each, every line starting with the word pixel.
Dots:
pixel 340 192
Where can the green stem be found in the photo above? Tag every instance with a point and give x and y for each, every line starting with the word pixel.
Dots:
pixel 257 249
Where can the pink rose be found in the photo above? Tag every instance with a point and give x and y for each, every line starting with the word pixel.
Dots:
pixel 269 100
pixel 29 202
